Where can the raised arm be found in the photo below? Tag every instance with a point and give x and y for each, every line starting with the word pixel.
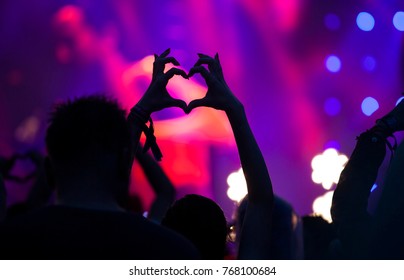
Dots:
pixel 155 99
pixel 350 200
pixel 255 234
pixel 162 186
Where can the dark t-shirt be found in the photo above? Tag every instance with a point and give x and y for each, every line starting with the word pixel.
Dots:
pixel 60 232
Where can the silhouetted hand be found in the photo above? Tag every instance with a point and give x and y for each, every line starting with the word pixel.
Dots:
pixel 394 120
pixel 219 95
pixel 156 96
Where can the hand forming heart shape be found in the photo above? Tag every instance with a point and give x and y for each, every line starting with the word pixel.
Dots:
pixel 218 95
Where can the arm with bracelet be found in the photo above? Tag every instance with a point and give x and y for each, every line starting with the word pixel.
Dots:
pixel 155 99
pixel 354 224
pixel 255 234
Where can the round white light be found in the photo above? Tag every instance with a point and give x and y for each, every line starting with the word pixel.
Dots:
pixel 327 167
pixel 237 186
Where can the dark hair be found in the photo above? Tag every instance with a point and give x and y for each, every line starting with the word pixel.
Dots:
pixel 91 134
pixel 87 124
pixel 202 221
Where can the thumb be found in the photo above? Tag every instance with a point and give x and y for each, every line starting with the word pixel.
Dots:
pixel 177 103
pixel 196 103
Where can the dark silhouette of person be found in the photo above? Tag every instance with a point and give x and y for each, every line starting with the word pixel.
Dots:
pixel 91 147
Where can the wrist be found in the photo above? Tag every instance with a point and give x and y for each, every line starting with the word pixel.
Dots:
pixel 235 109
pixel 141 112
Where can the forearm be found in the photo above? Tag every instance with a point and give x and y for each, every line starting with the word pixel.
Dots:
pixel 156 176
pixel 135 126
pixel 254 167
pixel 256 231
pixel 351 195
pixel 350 200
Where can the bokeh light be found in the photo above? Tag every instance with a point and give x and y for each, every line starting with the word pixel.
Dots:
pixel 398 21
pixel 369 63
pixel 28 130
pixel 369 106
pixel 399 100
pixel 322 205
pixel 332 106
pixel 332 22
pixel 365 21
pixel 333 64
pixel 327 167
pixel 237 186
pixel 373 188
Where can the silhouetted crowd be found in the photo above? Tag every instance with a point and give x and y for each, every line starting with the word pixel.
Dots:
pixel 79 205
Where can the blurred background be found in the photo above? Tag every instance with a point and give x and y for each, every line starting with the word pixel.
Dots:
pixel 312 75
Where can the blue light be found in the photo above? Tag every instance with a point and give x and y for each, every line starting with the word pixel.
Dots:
pixel 332 21
pixel 369 63
pixel 369 106
pixel 332 106
pixel 373 187
pixel 398 21
pixel 399 100
pixel 332 144
pixel 365 21
pixel 333 64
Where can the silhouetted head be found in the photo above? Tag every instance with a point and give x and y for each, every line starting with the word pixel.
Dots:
pixel 285 233
pixel 88 140
pixel 318 235
pixel 202 221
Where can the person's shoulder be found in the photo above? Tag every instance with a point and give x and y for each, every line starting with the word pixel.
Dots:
pixel 170 243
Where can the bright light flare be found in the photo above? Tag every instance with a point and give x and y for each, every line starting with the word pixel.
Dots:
pixel 327 167
pixel 322 205
pixel 237 186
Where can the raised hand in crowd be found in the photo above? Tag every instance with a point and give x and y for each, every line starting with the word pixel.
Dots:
pixel 155 99
pixel 356 228
pixel 254 240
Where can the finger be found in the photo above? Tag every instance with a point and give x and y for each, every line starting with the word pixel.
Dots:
pixel 175 71
pixel 177 103
pixel 217 57
pixel 201 70
pixel 160 63
pixel 196 103
pixel 205 60
pixel 165 53
pixel 170 59
pixel 201 55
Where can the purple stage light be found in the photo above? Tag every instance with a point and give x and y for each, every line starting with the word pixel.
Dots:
pixel 333 64
pixel 332 106
pixel 369 63
pixel 365 21
pixel 369 106
pixel 334 144
pixel 398 21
